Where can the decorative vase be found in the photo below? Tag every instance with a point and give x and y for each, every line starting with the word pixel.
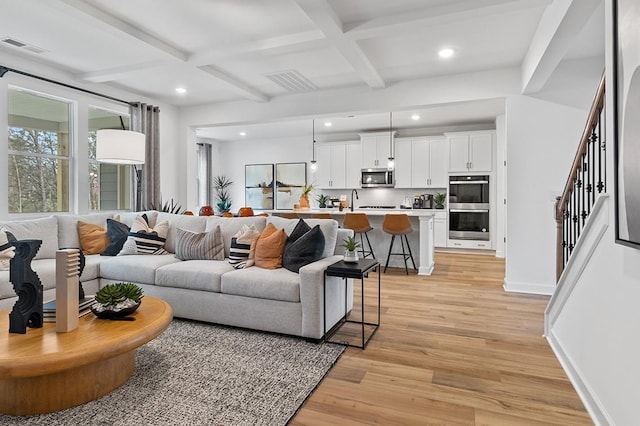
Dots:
pixel 206 211
pixel 323 206
pixel 304 201
pixel 227 214
pixel 439 206
pixel 350 256
pixel 245 212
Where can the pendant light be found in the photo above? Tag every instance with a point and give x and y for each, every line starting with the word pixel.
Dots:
pixel 314 164
pixel 391 163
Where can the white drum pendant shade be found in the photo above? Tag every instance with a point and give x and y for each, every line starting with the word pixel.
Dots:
pixel 120 146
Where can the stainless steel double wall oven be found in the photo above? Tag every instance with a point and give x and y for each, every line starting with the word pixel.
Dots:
pixel 469 207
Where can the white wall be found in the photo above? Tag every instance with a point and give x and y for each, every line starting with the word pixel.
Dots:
pixel 542 138
pixel 597 328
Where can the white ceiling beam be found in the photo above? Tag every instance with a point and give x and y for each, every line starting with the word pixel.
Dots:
pixel 126 28
pixel 112 74
pixel 560 24
pixel 325 18
pixel 236 86
pixel 295 42
pixel 437 15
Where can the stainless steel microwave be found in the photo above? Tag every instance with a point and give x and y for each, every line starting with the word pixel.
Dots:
pixel 377 178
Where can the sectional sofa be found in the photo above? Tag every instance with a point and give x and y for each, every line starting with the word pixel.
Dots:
pixel 274 300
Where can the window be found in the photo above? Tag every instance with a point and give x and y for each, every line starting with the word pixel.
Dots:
pixel 109 184
pixel 39 152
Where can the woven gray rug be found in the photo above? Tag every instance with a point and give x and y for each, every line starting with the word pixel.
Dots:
pixel 202 374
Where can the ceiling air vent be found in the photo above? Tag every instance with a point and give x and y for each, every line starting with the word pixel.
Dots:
pixel 292 81
pixel 20 45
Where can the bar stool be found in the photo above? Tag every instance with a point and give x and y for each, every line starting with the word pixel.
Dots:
pixel 398 224
pixel 359 224
pixel 321 216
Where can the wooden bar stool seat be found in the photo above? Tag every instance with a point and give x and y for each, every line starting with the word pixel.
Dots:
pixel 289 215
pixel 398 224
pixel 359 224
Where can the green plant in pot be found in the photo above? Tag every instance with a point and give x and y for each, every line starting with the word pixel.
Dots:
pixel 222 183
pixel 117 300
pixel 304 197
pixel 350 245
pixel 322 201
pixel 439 199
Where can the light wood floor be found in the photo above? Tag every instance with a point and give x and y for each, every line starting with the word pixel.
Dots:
pixel 453 348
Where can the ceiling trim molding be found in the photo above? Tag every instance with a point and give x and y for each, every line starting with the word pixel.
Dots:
pixel 238 87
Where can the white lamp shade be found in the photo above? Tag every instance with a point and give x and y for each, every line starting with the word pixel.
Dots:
pixel 120 146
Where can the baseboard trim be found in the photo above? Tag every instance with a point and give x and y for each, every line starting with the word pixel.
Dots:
pixel 529 288
pixel 591 403
pixel 426 270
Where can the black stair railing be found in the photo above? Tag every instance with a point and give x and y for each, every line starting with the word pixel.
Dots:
pixel 587 179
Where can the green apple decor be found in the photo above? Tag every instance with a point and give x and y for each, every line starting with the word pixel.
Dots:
pixel 117 300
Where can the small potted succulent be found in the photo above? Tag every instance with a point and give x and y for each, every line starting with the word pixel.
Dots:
pixel 117 300
pixel 322 201
pixel 350 245
pixel 439 199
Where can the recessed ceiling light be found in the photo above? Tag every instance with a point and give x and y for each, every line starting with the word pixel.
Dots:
pixel 328 124
pixel 446 53
pixel 415 117
pixel 181 90
pixel 243 133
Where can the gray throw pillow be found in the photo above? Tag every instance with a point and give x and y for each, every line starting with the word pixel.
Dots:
pixel 199 245
pixel 305 250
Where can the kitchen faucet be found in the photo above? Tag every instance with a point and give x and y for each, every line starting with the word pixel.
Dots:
pixel 357 198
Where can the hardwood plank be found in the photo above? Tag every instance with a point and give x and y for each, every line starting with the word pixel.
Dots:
pixel 452 348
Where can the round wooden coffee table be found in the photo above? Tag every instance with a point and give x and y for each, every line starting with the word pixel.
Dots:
pixel 44 371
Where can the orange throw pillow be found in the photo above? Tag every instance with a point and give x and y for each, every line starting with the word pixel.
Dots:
pixel 270 247
pixel 93 238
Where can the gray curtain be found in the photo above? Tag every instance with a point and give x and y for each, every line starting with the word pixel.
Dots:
pixel 146 119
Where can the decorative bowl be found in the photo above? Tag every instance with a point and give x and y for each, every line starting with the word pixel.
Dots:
pixel 111 314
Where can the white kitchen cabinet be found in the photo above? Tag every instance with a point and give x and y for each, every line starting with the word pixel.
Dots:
pixel 440 229
pixel 421 162
pixel 470 151
pixel 337 165
pixel 470 244
pixel 376 148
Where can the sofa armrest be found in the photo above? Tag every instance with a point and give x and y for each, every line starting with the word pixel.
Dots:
pixel 311 297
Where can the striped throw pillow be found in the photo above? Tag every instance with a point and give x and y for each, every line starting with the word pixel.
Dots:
pixel 145 240
pixel 240 250
pixel 199 245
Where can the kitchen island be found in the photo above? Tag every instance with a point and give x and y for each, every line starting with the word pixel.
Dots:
pixel 421 240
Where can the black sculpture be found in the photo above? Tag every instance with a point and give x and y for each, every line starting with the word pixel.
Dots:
pixel 27 312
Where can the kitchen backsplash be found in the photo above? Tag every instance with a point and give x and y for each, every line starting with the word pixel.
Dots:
pixel 376 196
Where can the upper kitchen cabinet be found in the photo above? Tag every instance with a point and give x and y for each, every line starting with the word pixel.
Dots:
pixel 338 165
pixel 421 162
pixel 376 148
pixel 471 151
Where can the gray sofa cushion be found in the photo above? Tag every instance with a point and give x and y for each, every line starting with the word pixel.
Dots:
pixel 273 284
pixel 329 229
pixel 91 268
pixel 231 226
pixel 45 229
pixel 193 274
pixel 137 268
pixel 188 223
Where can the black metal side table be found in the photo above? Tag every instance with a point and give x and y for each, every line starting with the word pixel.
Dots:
pixel 359 269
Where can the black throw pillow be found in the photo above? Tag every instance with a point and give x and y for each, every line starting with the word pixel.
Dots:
pixel 305 250
pixel 117 233
pixel 301 228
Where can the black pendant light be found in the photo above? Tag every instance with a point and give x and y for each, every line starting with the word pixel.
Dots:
pixel 314 163
pixel 391 163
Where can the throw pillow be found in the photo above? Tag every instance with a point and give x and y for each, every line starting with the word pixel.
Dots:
pixel 305 250
pixel 7 249
pixel 270 247
pixel 240 253
pixel 145 240
pixel 199 245
pixel 117 234
pixel 301 228
pixel 93 238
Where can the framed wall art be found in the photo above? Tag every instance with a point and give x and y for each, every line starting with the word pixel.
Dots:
pixel 626 93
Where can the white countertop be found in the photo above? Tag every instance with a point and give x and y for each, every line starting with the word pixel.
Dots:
pixel 371 212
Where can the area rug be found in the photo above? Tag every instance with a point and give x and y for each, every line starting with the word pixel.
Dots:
pixel 203 374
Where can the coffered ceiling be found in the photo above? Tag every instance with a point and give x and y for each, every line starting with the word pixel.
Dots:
pixel 232 50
